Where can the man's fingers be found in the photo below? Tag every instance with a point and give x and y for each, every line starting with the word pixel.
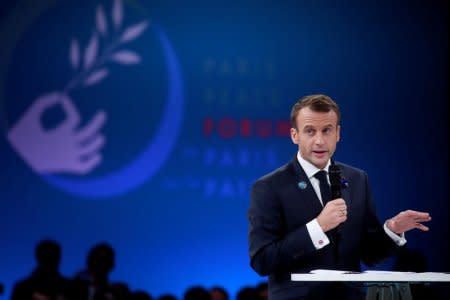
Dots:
pixel 422 215
pixel 422 227
pixel 416 214
pixel 337 203
pixel 422 219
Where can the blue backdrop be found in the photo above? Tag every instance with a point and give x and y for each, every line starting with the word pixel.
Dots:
pixel 196 100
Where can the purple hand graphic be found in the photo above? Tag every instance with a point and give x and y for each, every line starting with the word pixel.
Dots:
pixel 65 148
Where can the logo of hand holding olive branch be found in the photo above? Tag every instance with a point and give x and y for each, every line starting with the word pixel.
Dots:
pixel 68 148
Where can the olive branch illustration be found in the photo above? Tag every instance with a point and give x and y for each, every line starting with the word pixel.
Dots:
pixel 91 64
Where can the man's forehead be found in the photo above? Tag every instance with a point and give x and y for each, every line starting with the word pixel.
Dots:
pixel 312 118
pixel 322 125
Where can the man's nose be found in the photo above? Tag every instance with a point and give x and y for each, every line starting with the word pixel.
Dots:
pixel 319 139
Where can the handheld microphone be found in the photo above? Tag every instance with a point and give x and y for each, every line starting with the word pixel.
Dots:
pixel 334 173
pixel 335 180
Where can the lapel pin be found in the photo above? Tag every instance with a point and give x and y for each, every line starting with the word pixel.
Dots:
pixel 344 182
pixel 302 185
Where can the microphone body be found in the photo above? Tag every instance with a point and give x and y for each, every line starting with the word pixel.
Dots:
pixel 335 180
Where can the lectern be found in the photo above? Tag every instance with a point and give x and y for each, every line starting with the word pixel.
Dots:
pixel 382 285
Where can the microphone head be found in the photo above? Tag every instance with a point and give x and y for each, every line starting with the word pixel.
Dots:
pixel 335 175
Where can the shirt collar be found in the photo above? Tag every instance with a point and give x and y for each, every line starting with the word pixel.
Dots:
pixel 308 167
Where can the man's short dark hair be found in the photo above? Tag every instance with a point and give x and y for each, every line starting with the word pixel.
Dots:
pixel 317 103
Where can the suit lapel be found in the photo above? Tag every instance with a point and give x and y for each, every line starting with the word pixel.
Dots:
pixel 307 194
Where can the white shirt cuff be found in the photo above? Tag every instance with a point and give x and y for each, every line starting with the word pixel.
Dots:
pixel 318 237
pixel 399 240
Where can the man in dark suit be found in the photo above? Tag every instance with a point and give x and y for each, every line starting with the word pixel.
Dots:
pixel 295 226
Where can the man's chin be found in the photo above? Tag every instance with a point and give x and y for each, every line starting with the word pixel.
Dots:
pixel 320 162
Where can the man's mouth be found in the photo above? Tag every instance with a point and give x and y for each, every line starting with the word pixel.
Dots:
pixel 320 152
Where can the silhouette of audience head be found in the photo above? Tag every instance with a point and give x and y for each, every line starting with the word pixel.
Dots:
pixel 167 297
pixel 120 291
pixel 247 293
pixel 140 295
pixel 48 254
pixel 92 282
pixel 101 261
pixel 197 293
pixel 218 293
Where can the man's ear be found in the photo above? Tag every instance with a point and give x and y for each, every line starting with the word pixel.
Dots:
pixel 294 135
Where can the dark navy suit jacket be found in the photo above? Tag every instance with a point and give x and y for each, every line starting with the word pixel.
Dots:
pixel 279 243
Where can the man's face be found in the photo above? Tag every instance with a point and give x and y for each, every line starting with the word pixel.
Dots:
pixel 316 135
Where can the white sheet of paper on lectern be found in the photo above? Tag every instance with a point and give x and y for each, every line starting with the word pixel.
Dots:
pixel 371 276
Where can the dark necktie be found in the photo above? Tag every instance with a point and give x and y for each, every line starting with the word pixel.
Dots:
pixel 325 190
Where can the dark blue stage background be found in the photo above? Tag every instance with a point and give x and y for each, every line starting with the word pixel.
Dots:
pixel 197 98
